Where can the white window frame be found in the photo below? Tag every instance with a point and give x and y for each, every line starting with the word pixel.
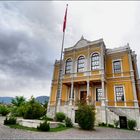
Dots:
pixel 83 68
pixel 123 93
pixel 121 72
pixel 91 61
pixel 96 94
pixel 71 65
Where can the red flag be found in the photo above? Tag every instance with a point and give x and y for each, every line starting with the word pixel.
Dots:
pixel 65 19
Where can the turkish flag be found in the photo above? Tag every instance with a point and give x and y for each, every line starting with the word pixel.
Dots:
pixel 65 19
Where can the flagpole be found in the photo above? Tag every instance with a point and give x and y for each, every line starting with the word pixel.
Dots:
pixel 62 46
pixel 59 88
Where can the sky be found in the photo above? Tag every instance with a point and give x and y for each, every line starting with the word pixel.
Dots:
pixel 31 37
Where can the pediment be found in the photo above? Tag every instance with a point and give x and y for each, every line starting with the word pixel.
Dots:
pixel 81 43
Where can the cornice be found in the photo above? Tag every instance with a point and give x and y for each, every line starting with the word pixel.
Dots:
pixel 118 49
pixel 83 43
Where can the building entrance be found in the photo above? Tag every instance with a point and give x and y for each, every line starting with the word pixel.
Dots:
pixel 123 121
pixel 83 96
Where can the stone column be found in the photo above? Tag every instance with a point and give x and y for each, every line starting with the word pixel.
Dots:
pixel 133 80
pixel 88 74
pixel 103 94
pixel 71 93
pixel 103 104
pixel 87 92
pixel 103 100
pixel 102 76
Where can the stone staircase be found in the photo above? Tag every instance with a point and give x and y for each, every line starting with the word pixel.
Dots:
pixel 120 112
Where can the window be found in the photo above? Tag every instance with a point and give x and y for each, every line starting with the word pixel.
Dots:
pixel 117 66
pixel 80 64
pixel 95 61
pixel 68 66
pixel 119 93
pixel 98 94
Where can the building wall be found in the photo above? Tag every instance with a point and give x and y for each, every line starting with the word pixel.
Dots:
pixel 111 79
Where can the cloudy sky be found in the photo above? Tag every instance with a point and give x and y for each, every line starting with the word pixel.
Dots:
pixel 31 35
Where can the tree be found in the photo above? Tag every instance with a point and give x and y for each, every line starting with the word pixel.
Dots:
pixel 33 109
pixel 4 110
pixel 85 116
pixel 45 104
pixel 18 101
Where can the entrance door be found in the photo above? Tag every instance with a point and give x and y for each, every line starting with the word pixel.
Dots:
pixel 123 121
pixel 83 96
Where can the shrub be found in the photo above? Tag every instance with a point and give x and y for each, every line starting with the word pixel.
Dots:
pixel 111 125
pixel 132 124
pixel 68 122
pixel 60 116
pixel 85 116
pixel 44 126
pixel 4 110
pixel 18 111
pixel 45 117
pixel 102 124
pixel 18 101
pixel 10 120
pixel 116 122
pixel 33 110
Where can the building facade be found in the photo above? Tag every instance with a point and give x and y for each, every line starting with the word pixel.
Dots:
pixel 91 73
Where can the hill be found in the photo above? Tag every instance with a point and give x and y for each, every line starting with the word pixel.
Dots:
pixel 6 100
pixel 42 99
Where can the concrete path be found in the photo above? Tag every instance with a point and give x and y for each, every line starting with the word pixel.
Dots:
pixel 73 133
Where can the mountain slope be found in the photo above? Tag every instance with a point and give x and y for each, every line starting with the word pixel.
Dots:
pixel 42 99
pixel 6 100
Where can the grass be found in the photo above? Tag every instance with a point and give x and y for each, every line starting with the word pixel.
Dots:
pixel 59 128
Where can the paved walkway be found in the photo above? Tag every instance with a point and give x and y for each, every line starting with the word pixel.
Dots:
pixel 73 133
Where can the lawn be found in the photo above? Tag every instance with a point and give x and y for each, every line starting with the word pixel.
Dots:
pixel 59 128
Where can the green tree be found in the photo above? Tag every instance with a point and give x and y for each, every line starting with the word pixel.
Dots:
pixel 4 110
pixel 33 109
pixel 85 116
pixel 60 116
pixel 18 101
pixel 45 104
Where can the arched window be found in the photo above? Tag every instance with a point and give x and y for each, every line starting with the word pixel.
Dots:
pixel 95 61
pixel 80 64
pixel 68 66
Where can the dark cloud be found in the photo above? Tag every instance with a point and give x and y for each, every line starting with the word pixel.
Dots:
pixel 23 55
pixel 31 35
pixel 27 51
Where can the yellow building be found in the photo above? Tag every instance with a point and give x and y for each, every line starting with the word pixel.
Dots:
pixel 91 73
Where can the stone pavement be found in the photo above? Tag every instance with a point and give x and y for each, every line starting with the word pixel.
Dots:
pixel 73 133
